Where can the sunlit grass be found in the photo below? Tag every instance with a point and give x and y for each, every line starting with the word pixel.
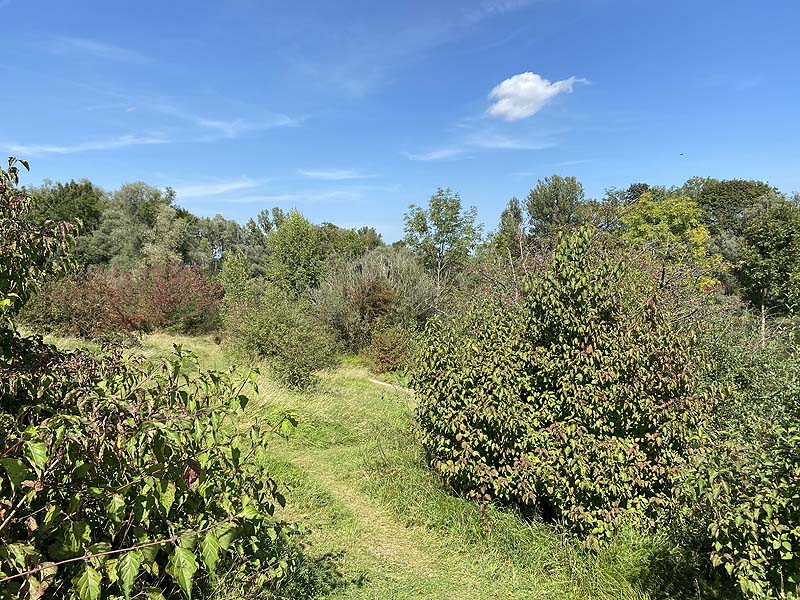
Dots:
pixel 354 475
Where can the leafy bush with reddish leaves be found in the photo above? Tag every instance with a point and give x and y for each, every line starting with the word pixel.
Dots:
pixel 170 296
pixel 177 297
pixel 389 349
pixel 576 403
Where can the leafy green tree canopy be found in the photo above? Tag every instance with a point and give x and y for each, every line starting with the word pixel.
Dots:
pixel 511 232
pixel 295 254
pixel 769 268
pixel 443 235
pixel 554 204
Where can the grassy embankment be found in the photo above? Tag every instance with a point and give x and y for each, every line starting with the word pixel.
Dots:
pixel 354 476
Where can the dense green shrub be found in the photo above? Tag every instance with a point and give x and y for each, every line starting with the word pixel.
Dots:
pixel 141 478
pixel 739 502
pixel 386 285
pixel 281 330
pixel 578 402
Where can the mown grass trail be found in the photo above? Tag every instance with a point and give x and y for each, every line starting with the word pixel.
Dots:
pixel 354 475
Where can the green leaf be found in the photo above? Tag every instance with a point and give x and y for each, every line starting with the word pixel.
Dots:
pixel 182 566
pixel 154 594
pixel 209 551
pixel 87 584
pixel 230 532
pixel 167 497
pixel 116 509
pixel 36 452
pixel 127 570
pixel 16 470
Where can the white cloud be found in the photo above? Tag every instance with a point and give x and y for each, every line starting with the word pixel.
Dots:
pixel 203 190
pixel 98 49
pixel 479 141
pixel 107 144
pixel 299 197
pixel 236 127
pixel 490 8
pixel 446 153
pixel 501 142
pixel 523 95
pixel 333 174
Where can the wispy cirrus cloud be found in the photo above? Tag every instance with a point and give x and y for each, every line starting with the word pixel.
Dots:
pixel 444 153
pixel 234 128
pixel 297 197
pixel 214 188
pixel 333 174
pixel 492 141
pixel 360 59
pixel 491 8
pixel 523 95
pixel 224 128
pixel 101 144
pixel 477 142
pixel 97 49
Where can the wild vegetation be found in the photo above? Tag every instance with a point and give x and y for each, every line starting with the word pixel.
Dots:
pixel 604 397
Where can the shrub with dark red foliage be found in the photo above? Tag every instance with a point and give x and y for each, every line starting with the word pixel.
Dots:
pixel 175 296
pixel 98 302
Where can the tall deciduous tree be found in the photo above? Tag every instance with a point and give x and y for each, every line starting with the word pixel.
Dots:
pixel 674 224
pixel 74 201
pixel 726 202
pixel 295 254
pixel 769 266
pixel 554 204
pixel 510 235
pixel 443 235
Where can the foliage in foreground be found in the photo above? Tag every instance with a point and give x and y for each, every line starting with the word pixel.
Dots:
pixel 578 404
pixel 740 500
pixel 138 478
pixel 119 478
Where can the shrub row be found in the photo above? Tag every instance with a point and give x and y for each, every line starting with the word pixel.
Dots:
pixel 170 296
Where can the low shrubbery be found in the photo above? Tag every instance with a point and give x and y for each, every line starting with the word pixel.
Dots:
pixel 387 287
pixel 265 322
pixel 139 477
pixel 740 499
pixel 597 399
pixel 390 349
pixel 169 296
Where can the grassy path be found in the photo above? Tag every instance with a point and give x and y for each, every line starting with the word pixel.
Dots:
pixel 355 478
pixel 354 472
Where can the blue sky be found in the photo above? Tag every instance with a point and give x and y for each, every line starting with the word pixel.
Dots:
pixel 351 110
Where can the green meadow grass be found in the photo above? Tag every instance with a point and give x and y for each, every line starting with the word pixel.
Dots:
pixel 354 476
